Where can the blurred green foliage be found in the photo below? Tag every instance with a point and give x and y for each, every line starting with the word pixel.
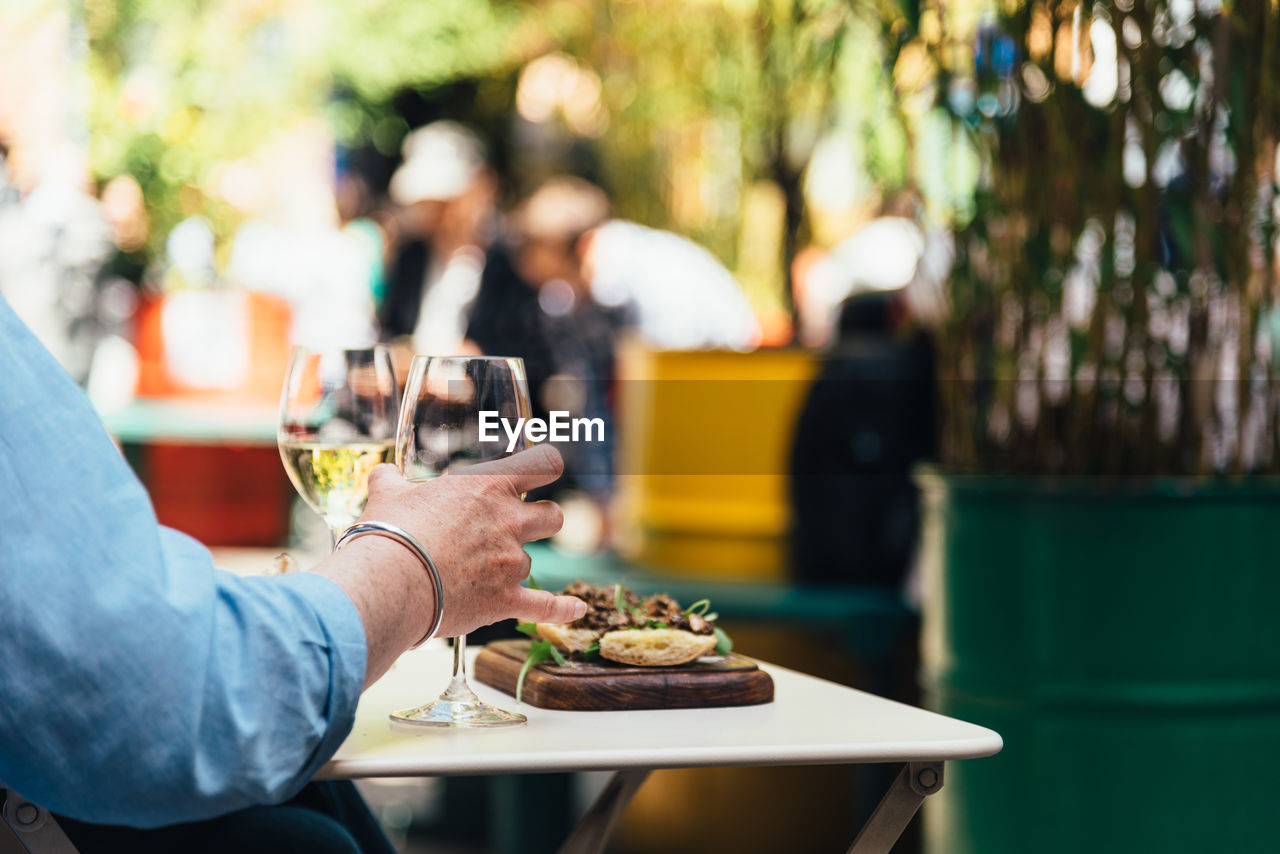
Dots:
pixel 1113 297
pixel 704 99
pixel 1111 306
pixel 180 86
pixel 716 96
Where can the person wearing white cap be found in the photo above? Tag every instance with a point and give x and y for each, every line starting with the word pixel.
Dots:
pixel 446 192
pixel 441 161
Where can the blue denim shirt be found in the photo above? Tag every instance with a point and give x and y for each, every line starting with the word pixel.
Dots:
pixel 139 685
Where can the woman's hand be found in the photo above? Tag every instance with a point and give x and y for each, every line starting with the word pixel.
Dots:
pixel 474 524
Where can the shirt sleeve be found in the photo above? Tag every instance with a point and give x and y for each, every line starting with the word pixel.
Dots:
pixel 138 684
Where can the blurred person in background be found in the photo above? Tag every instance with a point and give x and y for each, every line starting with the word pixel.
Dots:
pixel 292 246
pixel 577 282
pixel 890 252
pixel 321 272
pixel 9 192
pixel 542 306
pixel 867 420
pixel 54 241
pixel 446 194
pixel 113 375
pixel 372 228
pixel 677 294
pixel 126 211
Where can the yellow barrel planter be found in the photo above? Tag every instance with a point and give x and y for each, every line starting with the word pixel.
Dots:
pixel 703 440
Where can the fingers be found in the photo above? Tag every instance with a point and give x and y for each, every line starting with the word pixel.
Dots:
pixel 384 476
pixel 540 520
pixel 527 470
pixel 539 606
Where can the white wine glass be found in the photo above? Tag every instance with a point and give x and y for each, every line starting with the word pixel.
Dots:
pixel 337 421
pixel 439 431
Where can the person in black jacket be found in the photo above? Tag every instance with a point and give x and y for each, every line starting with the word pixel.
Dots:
pixel 535 302
pixel 446 192
pixel 868 419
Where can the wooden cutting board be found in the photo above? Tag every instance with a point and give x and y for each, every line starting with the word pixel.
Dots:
pixel 733 680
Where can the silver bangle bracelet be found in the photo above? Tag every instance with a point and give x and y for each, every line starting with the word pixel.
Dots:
pixel 404 538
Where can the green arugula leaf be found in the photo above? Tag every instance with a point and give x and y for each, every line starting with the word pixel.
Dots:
pixel 724 643
pixel 557 656
pixel 712 617
pixel 530 629
pixel 699 607
pixel 539 650
pixel 592 651
pixel 619 601
pixel 656 624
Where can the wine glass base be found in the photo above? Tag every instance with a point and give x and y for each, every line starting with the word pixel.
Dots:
pixel 453 713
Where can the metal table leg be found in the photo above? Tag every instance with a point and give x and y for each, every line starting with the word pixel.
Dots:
pixel 592 833
pixel 29 828
pixel 914 783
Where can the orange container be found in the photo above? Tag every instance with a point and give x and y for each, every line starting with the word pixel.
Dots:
pixel 210 353
pixel 213 344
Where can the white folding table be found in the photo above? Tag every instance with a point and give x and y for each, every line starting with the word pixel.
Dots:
pixel 810 722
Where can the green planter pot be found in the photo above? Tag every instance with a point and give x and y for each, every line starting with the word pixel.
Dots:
pixel 1126 644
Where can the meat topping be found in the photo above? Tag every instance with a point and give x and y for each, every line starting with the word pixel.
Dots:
pixel 603 616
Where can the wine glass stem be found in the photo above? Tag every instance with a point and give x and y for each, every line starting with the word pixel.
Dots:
pixel 459 682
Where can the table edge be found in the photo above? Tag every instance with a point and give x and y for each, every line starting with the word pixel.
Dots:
pixel 974 748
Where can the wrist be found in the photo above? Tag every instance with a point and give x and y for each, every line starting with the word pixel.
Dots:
pixel 388 548
pixel 393 577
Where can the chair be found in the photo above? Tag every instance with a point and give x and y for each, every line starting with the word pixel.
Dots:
pixel 29 829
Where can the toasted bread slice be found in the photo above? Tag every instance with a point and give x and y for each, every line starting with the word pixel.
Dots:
pixel 655 647
pixel 566 639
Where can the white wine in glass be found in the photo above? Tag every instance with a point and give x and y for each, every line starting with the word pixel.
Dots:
pixel 439 432
pixel 337 421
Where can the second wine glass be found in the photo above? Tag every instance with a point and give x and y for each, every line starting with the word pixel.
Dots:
pixel 337 421
pixel 439 432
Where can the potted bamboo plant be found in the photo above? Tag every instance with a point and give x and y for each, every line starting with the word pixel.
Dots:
pixel 1100 537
